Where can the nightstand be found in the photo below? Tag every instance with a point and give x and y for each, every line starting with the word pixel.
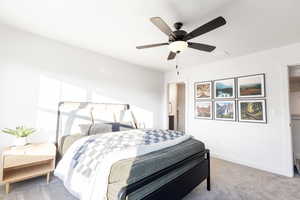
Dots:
pixel 22 163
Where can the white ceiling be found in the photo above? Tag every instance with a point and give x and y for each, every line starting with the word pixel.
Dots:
pixel 115 27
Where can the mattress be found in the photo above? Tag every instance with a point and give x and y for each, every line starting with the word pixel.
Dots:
pixel 131 170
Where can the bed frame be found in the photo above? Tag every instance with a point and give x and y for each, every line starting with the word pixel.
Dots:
pixel 178 187
pixel 173 190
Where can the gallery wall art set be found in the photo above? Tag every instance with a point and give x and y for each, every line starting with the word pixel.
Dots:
pixel 233 99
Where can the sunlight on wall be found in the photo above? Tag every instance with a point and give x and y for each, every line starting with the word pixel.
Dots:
pixel 72 93
pixel 52 91
pixel 143 117
pixel 49 93
pixel 46 124
pixel 103 114
pixel 72 118
pixel 96 97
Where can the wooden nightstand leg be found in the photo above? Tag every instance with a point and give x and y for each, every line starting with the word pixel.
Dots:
pixel 48 178
pixel 7 188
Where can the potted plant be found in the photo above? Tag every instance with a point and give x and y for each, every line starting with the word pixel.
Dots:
pixel 21 133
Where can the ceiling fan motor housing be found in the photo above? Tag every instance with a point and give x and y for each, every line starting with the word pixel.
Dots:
pixel 179 35
pixel 178 25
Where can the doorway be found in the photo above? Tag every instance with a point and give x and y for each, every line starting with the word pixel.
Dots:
pixel 176 106
pixel 294 97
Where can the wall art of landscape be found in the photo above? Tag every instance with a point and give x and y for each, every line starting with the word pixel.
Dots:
pixel 252 111
pixel 225 110
pixel 224 89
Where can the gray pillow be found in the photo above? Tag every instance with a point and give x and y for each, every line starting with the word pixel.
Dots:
pixel 116 126
pixel 100 128
pixel 125 128
pixel 67 141
pixel 85 128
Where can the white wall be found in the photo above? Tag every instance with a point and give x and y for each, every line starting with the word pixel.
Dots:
pixel 264 146
pixel 37 73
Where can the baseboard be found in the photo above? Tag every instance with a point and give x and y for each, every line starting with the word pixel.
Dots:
pixel 252 165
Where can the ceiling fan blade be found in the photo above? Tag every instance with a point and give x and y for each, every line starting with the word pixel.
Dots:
pixel 152 45
pixel 171 55
pixel 162 25
pixel 216 23
pixel 201 47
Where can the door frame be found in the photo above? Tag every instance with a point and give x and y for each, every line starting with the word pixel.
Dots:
pixel 186 103
pixel 287 123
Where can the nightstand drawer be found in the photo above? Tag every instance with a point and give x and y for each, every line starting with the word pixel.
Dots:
pixel 19 161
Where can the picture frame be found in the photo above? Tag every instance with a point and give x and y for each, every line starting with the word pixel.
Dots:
pixel 224 88
pixel 203 110
pixel 225 110
pixel 252 86
pixel 252 110
pixel 203 90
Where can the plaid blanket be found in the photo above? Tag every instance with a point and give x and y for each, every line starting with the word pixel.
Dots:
pixel 91 153
pixel 85 167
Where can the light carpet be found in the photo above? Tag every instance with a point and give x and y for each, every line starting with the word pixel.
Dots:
pixel 229 182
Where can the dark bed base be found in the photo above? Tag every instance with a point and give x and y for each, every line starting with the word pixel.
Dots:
pixel 180 186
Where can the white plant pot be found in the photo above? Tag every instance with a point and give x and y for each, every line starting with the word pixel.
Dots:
pixel 20 141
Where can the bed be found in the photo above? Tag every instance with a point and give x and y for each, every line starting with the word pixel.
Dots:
pixel 166 173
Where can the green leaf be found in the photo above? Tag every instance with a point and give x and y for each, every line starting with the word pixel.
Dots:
pixel 20 131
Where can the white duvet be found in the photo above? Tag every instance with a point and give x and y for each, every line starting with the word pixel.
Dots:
pixel 95 186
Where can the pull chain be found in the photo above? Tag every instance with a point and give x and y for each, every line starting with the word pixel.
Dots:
pixel 177 68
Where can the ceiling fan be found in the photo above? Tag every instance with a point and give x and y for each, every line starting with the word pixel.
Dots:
pixel 178 39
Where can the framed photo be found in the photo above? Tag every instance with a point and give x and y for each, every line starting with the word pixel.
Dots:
pixel 224 89
pixel 252 111
pixel 203 90
pixel 225 110
pixel 203 109
pixel 251 86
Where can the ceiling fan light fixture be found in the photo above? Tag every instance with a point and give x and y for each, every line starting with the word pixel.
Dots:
pixel 178 46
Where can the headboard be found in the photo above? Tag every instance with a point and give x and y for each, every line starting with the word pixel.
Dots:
pixel 71 114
